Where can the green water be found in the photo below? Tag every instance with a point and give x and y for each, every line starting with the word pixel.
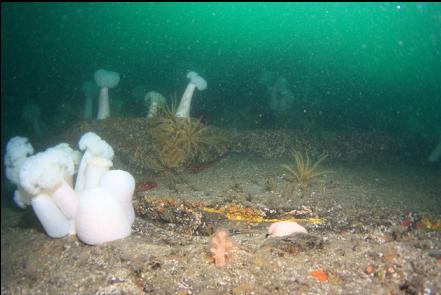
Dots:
pixel 368 66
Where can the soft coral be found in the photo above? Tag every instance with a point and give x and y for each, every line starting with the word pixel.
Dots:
pixel 220 245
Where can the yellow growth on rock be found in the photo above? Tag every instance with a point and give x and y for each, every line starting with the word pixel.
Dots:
pixel 431 224
pixel 236 213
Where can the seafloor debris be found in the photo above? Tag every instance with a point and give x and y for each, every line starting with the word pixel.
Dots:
pixel 415 221
pixel 198 218
pixel 145 186
pixel 185 216
pixel 320 275
pixel 293 244
pixel 429 223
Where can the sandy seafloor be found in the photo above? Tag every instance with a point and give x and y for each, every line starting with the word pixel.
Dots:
pixel 363 245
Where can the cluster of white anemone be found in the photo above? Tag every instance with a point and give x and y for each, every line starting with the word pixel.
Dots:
pixel 105 80
pixel 98 208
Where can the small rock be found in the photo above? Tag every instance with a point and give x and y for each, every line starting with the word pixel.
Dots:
pixel 295 243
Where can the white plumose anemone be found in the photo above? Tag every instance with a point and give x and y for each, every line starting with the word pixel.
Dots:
pixel 105 80
pixel 44 175
pixel 156 101
pixel 54 222
pixel 122 185
pixel 93 147
pixel 100 217
pixel 17 151
pixel 196 81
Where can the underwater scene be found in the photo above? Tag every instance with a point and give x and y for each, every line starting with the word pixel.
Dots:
pixel 221 148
